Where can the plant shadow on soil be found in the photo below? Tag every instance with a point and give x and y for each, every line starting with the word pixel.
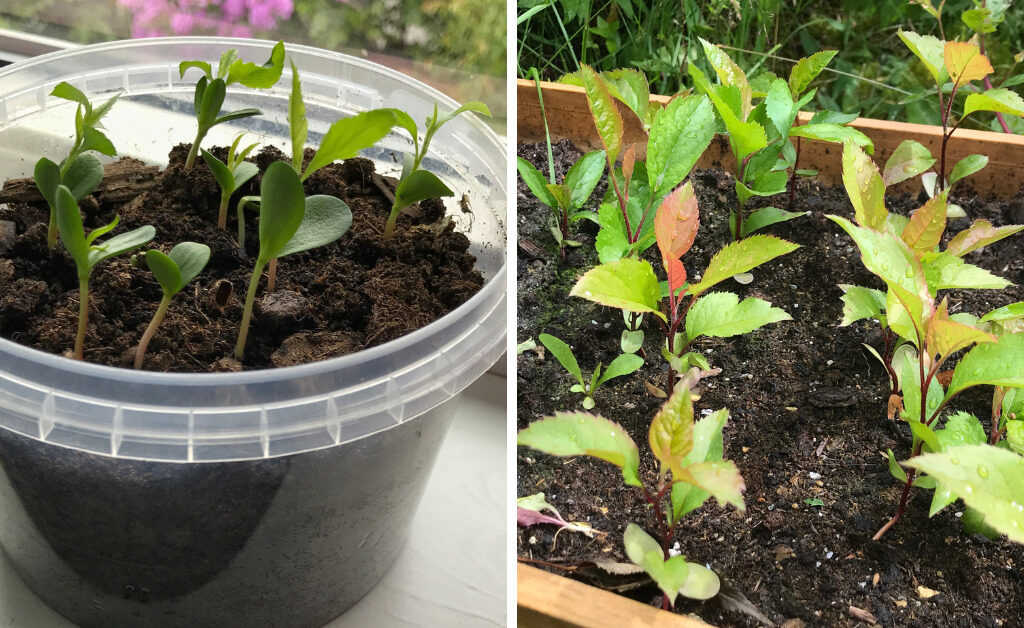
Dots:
pixel 349 295
pixel 804 398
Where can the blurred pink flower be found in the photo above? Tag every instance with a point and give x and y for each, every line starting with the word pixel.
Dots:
pixel 237 18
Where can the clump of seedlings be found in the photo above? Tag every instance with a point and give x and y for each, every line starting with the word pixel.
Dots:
pixel 691 469
pixel 415 184
pixel 173 271
pixel 87 254
pixel 211 89
pixel 632 285
pixel 230 176
pixel 566 199
pixel 951 451
pixel 759 134
pixel 623 364
pixel 80 171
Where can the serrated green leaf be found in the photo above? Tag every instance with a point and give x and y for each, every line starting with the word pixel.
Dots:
pixel 1000 363
pixel 948 272
pixel 626 284
pixel 998 100
pixel 929 50
pixel 836 133
pixel 563 353
pixel 986 478
pixel 1015 435
pixel 325 219
pixel 681 133
pixel 740 257
pixel 720 479
pixel 612 241
pixel 582 434
pixel 606 115
pixel 671 432
pixel 910 159
pixel 865 187
pixel 631 87
pixel 707 447
pixel 780 107
pixel 282 207
pixel 670 575
pixel 419 186
pixel 583 176
pixel 832 117
pixel 346 137
pixel 967 166
pixel 97 141
pixel 721 315
pixel 729 74
pixel 807 69
pixel 746 138
pixel 860 303
pixel 1009 312
pixel 980 233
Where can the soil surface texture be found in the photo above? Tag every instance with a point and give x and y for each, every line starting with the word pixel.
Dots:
pixel 807 422
pixel 355 293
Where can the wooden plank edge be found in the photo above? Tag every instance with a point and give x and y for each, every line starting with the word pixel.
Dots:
pixel 545 600
pixel 569 117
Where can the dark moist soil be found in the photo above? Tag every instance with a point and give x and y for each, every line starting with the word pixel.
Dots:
pixel 337 299
pixel 804 398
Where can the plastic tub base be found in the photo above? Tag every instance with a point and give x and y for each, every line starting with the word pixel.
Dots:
pixel 291 542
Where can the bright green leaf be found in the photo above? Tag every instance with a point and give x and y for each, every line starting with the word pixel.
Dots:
pixel 680 134
pixel 670 575
pixel 994 364
pixel 740 257
pixel 860 303
pixel 967 166
pixel 346 137
pixel 865 187
pixel 563 353
pixel 582 177
pixel 626 284
pixel 605 112
pixel 623 364
pixel 282 207
pixel 721 315
pixel 419 186
pixel 582 434
pixel 536 182
pixel 807 69
pixel 980 233
pixel 998 100
pixel 765 216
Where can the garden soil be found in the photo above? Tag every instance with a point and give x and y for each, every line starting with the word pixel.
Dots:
pixel 356 293
pixel 807 422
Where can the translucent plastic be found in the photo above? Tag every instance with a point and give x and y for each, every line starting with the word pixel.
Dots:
pixel 257 414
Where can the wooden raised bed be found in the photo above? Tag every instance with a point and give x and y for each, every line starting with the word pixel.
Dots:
pixel 545 599
pixel 569 117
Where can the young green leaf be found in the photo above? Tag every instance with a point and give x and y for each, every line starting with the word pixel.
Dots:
pixel 944 271
pixel 980 233
pixel 670 575
pixel 865 187
pixel 765 216
pixel 860 303
pixel 745 137
pixel 994 364
pixel 537 183
pixel 780 107
pixel 297 124
pixel 967 166
pixel 346 137
pixel 177 269
pixel 740 257
pixel 987 478
pixel 720 479
pixel 563 353
pixel 623 364
pixel 282 208
pixel 910 159
pixel 583 176
pixel 626 284
pixel 930 51
pixel 671 432
pixel 605 112
pixel 707 447
pixel 721 315
pixel 833 133
pixel 807 69
pixel 582 434
pixel 998 100
pixel 681 133
pixel 419 186
pixel 729 74
pixel 258 76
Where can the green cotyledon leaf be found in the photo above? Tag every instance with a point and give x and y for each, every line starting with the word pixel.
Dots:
pixel 583 434
pixel 626 284
pixel 986 478
pixel 670 575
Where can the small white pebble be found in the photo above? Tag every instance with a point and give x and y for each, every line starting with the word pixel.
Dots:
pixel 958 514
pixel 706 411
pixel 817 563
pixel 830 363
pixel 828 555
pixel 814 476
pixel 862 584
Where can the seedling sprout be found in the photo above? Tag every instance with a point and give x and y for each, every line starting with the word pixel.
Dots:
pixel 173 271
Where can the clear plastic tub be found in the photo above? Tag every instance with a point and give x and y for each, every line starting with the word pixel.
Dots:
pixel 283 495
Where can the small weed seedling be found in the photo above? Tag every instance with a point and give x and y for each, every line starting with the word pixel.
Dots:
pixel 289 223
pixel 567 199
pixel 80 171
pixel 230 176
pixel 631 285
pixel 210 90
pixel 690 470
pixel 88 255
pixel 622 365
pixel 173 271
pixel 417 185
pixel 921 336
pixel 758 134
pixel 959 63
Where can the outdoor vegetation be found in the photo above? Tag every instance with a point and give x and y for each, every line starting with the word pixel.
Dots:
pixel 951 358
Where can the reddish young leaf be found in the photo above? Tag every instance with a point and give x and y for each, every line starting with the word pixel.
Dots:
pixel 628 161
pixel 675 227
pixel 980 233
pixel 964 62
pixel 945 337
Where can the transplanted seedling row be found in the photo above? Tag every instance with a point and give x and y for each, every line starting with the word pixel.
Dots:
pixel 289 221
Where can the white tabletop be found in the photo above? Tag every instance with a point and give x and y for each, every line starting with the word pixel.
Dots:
pixel 453 571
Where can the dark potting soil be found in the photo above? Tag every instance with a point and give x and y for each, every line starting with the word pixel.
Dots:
pixel 807 421
pixel 356 293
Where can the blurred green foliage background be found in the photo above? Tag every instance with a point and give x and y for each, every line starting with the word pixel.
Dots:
pixel 873 73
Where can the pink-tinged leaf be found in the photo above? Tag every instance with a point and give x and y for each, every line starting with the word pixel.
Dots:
pixel 722 479
pixel 628 161
pixel 980 233
pixel 606 113
pixel 671 433
pixel 675 227
pixel 924 230
pixel 945 336
pixel 526 517
pixel 964 62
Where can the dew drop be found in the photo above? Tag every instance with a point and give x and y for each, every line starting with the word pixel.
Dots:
pixel 909 272
pixel 954 460
pixel 885 268
pixel 982 471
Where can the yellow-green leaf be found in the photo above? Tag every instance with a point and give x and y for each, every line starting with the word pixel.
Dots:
pixel 627 284
pixel 924 231
pixel 980 233
pixel 740 257
pixel 583 434
pixel 864 186
pixel 604 110
pixel 671 433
